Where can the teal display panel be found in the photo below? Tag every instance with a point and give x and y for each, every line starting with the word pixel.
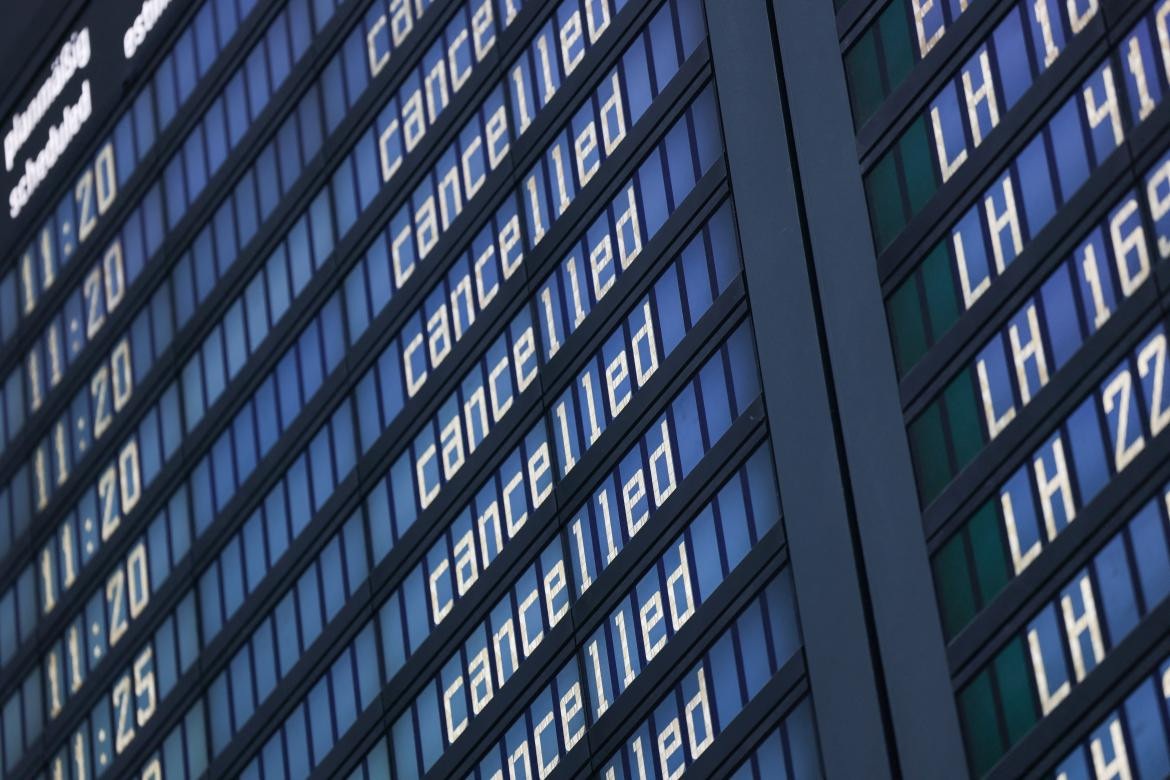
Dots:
pixel 1015 170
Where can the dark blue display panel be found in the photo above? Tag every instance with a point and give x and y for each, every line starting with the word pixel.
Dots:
pixel 401 414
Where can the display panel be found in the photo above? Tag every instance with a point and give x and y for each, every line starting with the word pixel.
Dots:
pixel 386 289
pixel 1015 177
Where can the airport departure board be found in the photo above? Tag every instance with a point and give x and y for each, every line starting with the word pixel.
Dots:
pixel 379 398
pixel 1016 168
pixel 511 389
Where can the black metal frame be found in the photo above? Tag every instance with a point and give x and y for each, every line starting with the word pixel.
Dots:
pixel 838 653
pixel 874 644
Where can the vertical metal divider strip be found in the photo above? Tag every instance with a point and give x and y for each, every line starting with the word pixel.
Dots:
pixel 841 667
pixel 894 560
